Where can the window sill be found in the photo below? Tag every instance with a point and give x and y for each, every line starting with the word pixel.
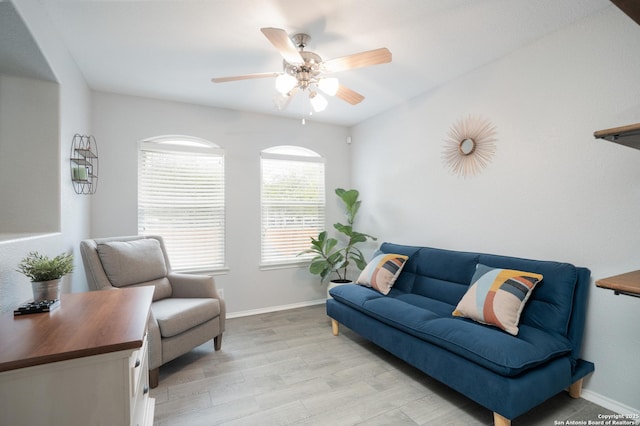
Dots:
pixel 283 265
pixel 212 272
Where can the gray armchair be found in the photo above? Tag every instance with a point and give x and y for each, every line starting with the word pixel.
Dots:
pixel 186 310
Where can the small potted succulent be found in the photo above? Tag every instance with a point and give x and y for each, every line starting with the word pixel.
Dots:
pixel 45 274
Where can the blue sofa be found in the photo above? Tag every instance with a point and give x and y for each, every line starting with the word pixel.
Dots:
pixel 507 374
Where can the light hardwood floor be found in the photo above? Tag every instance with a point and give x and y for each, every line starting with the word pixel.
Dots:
pixel 286 368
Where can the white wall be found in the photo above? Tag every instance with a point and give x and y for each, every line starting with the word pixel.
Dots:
pixel 551 192
pixel 120 122
pixel 28 179
pixel 74 118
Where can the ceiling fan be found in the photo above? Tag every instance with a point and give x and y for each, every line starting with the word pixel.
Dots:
pixel 304 70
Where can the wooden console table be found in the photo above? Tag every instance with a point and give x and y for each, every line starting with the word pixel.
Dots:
pixel 85 362
pixel 628 284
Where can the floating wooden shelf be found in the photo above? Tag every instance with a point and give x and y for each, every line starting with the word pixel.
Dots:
pixel 625 135
pixel 630 7
pixel 628 284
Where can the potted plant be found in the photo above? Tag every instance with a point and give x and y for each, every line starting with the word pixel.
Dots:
pixel 45 274
pixel 330 258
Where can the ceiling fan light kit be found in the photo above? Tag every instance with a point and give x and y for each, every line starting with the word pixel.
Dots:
pixel 305 71
pixel 329 85
pixel 318 102
pixel 285 83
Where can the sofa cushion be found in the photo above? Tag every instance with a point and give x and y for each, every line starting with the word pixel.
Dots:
pixel 445 275
pixel 354 295
pixel 434 273
pixel 430 320
pixel 132 262
pixel 500 352
pixel 381 272
pixel 177 315
pixel 441 308
pixel 497 297
pixel 550 306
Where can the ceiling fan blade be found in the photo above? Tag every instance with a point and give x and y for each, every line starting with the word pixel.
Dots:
pixel 245 77
pixel 358 60
pixel 349 95
pixel 280 39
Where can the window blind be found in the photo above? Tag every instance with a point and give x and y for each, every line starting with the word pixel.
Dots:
pixel 293 206
pixel 181 198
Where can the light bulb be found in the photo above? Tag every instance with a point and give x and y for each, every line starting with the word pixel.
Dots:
pixel 285 82
pixel 329 85
pixel 281 101
pixel 318 102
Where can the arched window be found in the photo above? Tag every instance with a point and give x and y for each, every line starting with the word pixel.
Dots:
pixel 292 202
pixel 181 197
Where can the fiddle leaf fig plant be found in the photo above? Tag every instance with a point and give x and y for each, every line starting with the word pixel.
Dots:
pixel 351 252
pixel 351 202
pixel 329 257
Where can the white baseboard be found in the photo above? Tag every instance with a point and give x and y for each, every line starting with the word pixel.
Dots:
pixel 275 308
pixel 609 403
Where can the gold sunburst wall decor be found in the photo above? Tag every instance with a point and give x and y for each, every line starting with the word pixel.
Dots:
pixel 469 146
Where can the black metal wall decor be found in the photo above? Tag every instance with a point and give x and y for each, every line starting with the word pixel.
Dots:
pixel 84 164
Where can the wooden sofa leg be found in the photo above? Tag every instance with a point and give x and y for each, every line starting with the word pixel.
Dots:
pixel 499 420
pixel 575 390
pixel 217 342
pixel 154 377
pixel 335 327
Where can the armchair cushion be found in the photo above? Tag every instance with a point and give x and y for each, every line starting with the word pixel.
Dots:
pixel 175 316
pixel 162 288
pixel 132 262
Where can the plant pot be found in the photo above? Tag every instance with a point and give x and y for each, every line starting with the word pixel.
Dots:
pixel 46 290
pixel 336 283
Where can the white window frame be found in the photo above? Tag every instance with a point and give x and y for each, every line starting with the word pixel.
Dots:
pixel 175 245
pixel 289 153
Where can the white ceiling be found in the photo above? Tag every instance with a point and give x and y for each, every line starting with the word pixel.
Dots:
pixel 171 49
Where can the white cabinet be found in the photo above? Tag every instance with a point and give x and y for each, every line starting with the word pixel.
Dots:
pixel 85 363
pixel 141 406
pixel 107 389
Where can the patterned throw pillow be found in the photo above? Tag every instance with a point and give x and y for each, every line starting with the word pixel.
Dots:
pixel 382 272
pixel 497 297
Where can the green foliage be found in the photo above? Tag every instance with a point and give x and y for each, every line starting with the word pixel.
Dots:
pixel 41 268
pixel 328 257
pixel 351 202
